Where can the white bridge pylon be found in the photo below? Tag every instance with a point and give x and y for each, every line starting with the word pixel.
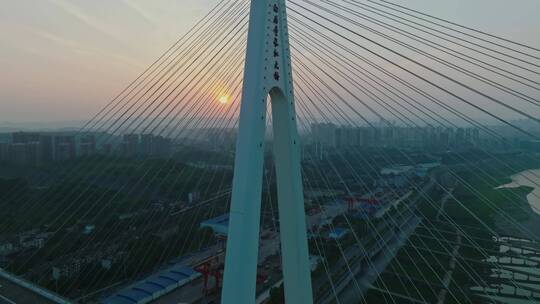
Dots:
pixel 267 72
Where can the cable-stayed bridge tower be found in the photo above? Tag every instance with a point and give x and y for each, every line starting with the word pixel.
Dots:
pixel 267 73
pixel 380 85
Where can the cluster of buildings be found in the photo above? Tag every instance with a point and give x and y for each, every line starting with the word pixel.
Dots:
pixel 332 136
pixel 143 145
pixel 72 265
pixel 392 186
pixel 198 274
pixel 33 239
pixel 32 148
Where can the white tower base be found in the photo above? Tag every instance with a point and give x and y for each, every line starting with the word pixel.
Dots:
pixel 267 72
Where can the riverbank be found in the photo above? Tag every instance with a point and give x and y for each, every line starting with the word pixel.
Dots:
pixel 528 178
pixel 525 185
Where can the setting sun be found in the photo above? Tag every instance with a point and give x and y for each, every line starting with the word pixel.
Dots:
pixel 223 99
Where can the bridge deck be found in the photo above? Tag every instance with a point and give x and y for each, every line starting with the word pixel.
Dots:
pixel 11 293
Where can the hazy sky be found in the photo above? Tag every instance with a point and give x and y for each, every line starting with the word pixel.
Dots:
pixel 64 59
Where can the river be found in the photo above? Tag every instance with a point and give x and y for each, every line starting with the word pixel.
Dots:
pixel 529 178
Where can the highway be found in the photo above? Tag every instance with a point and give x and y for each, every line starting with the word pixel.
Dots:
pixel 14 294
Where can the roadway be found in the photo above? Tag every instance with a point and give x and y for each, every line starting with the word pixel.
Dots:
pixel 11 293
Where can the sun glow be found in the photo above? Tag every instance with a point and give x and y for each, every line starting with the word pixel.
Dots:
pixel 223 99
